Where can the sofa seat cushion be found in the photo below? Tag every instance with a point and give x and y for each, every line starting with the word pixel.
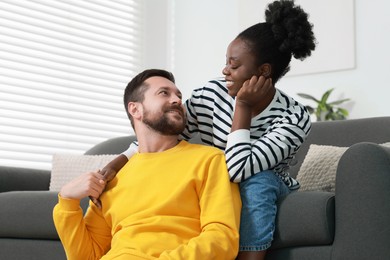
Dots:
pixel 28 214
pixel 31 249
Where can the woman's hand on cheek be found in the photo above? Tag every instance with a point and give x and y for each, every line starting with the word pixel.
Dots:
pixel 254 90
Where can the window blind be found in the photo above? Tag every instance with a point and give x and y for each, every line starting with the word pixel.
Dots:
pixel 64 66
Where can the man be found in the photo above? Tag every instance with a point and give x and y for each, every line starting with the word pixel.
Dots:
pixel 172 200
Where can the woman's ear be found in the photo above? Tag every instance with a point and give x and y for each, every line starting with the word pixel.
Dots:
pixel 266 70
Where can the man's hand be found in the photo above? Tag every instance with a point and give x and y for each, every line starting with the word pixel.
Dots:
pixel 88 184
pixel 254 90
pixel 107 174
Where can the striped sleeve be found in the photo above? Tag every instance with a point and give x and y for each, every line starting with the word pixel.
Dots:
pixel 133 149
pixel 192 122
pixel 209 113
pixel 247 155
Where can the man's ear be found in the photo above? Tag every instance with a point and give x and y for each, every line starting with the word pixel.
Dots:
pixel 266 70
pixel 134 109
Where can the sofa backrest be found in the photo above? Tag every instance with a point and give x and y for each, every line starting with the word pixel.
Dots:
pixel 114 145
pixel 336 133
pixel 343 133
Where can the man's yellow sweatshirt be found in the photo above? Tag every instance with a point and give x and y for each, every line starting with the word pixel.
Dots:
pixel 176 204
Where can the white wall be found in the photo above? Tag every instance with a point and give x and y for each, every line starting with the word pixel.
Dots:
pixel 203 29
pixel 158 42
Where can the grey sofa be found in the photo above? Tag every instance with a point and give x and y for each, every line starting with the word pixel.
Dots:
pixel 353 223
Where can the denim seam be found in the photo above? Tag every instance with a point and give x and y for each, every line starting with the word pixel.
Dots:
pixel 256 248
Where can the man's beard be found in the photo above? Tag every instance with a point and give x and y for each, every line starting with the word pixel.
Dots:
pixel 163 124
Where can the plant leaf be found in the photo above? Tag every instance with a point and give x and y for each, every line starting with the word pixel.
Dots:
pixel 310 109
pixel 302 95
pixel 325 96
pixel 343 111
pixel 324 110
pixel 337 102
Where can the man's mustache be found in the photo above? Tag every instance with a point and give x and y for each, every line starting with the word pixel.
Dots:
pixel 175 107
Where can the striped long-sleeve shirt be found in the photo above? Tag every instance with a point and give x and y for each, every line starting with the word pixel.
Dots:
pixel 271 142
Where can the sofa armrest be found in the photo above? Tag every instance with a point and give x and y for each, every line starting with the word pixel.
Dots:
pixel 15 178
pixel 363 203
pixel 305 219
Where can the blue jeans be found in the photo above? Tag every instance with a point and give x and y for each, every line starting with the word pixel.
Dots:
pixel 259 195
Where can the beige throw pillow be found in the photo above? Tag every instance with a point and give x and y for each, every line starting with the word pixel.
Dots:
pixel 66 167
pixel 318 170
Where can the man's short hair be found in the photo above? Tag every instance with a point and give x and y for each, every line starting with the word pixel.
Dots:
pixel 136 88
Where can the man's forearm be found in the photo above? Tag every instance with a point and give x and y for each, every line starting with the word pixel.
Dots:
pixel 75 237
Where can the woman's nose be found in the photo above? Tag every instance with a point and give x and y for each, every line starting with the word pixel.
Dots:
pixel 225 70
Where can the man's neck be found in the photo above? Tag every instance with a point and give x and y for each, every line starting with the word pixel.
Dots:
pixel 153 143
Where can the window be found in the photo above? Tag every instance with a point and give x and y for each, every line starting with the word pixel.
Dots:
pixel 64 66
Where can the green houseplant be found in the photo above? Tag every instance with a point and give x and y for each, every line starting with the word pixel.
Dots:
pixel 325 111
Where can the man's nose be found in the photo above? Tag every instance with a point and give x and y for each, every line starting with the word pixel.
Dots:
pixel 175 99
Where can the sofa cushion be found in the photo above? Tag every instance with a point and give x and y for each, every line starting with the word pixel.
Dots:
pixel 29 214
pixel 318 170
pixel 65 167
pixel 31 249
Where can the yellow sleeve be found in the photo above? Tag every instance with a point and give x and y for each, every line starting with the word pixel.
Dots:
pixel 81 239
pixel 220 206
